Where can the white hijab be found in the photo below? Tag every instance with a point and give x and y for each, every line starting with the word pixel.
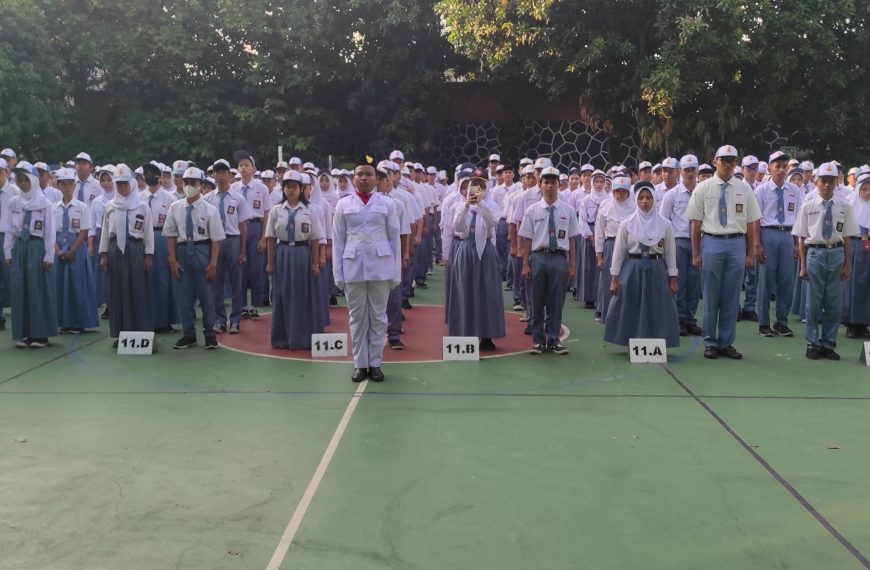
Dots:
pixel 617 211
pixel 35 199
pixel 861 208
pixel 647 228
pixel 481 235
pixel 331 195
pixel 122 205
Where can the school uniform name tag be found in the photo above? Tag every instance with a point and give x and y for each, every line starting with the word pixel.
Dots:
pixel 135 343
pixel 328 345
pixel 647 350
pixel 461 348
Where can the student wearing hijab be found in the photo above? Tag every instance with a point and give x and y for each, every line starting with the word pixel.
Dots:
pixel 610 215
pixel 7 192
pixel 29 255
pixel 477 306
pixel 293 234
pixel 856 301
pixel 329 194
pixel 825 225
pixel 162 288
pixel 547 233
pixel 126 255
pixel 319 206
pixel 448 235
pixel 367 261
pixel 587 207
pixel 98 207
pixel 76 294
pixel 643 276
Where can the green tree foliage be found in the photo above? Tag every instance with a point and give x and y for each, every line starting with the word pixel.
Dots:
pixel 685 74
pixel 132 80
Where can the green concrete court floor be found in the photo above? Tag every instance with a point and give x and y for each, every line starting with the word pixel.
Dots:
pixel 198 460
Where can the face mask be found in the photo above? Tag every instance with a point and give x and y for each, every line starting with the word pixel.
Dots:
pixel 152 180
pixel 191 191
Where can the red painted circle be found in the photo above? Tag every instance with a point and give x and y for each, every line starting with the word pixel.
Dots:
pixel 424 326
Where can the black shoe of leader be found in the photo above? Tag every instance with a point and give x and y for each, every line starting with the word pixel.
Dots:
pixel 185 342
pixel 711 352
pixel 487 344
pixel 359 374
pixel 829 353
pixel 333 302
pixel 814 353
pixel 557 348
pixel 730 352
pixel 375 374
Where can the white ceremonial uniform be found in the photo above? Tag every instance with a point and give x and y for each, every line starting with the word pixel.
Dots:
pixel 367 263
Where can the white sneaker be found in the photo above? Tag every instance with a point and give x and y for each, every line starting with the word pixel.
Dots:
pixel 234 329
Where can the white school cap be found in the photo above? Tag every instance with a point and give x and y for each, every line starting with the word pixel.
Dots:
pixel 193 173
pixel 642 166
pixel 397 155
pixel 8 153
pixel 295 161
pixel 494 158
pixel 726 151
pixel 83 156
pixel 178 167
pixel 123 173
pixel 622 183
pixel 827 169
pixel 66 174
pixel 542 163
pixel 749 160
pixel 670 162
pixel 689 161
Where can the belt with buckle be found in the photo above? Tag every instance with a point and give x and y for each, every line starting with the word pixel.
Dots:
pixel 724 236
pixel 824 245
pixel 292 243
pixel 255 219
pixel 777 228
pixel 645 255
pixel 551 251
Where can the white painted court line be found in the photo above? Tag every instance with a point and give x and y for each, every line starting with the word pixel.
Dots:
pixel 296 520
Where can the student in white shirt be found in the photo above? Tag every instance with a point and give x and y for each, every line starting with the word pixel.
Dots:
pixel 29 253
pixel 825 225
pixel 547 247
pixel 126 250
pixel 76 295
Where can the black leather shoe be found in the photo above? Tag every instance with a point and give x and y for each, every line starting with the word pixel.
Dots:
pixel 684 331
pixel 406 304
pixel 751 316
pixel 814 353
pixel 829 353
pixel 694 329
pixel 730 352
pixel 359 374
pixel 375 374
pixel 711 352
